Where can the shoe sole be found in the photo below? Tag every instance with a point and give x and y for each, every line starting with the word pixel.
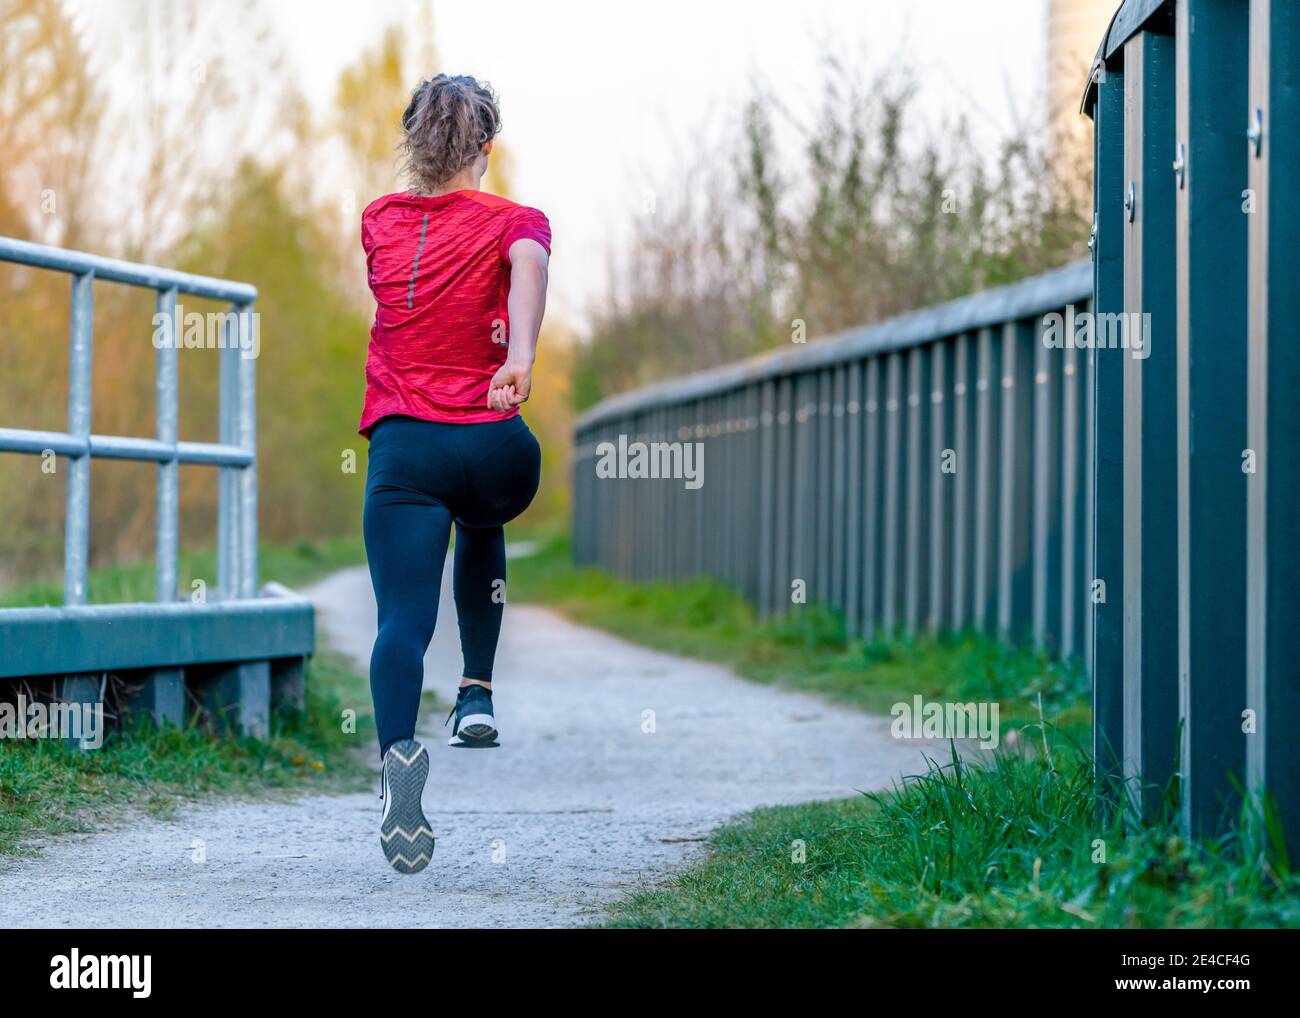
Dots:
pixel 477 731
pixel 405 834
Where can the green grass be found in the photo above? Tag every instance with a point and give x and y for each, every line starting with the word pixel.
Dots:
pixel 809 649
pixel 47 789
pixel 1016 843
pixel 1013 845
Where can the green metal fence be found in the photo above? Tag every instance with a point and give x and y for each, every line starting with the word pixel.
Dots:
pixel 1196 111
pixel 929 472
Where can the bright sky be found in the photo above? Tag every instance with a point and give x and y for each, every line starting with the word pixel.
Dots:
pixel 600 98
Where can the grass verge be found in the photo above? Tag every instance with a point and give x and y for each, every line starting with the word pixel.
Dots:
pixel 1014 845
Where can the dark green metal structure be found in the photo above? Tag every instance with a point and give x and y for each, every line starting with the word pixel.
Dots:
pixel 1195 109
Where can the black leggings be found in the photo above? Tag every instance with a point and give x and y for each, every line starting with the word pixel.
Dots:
pixel 423 476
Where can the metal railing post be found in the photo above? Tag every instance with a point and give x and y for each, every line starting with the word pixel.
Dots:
pixel 871 494
pixel 985 533
pixel 781 545
pixel 76 540
pixel 168 487
pixel 1211 92
pixel 837 437
pixel 227 479
pixel 1043 429
pixel 1106 413
pixel 247 439
pixel 821 466
pixel 1273 416
pixel 803 477
pixel 941 564
pixel 914 513
pixel 1068 589
pixel 766 496
pixel 891 575
pixel 1150 506
pixel 1008 464
pixel 962 404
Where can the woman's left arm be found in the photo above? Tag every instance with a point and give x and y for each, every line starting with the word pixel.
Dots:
pixel 513 382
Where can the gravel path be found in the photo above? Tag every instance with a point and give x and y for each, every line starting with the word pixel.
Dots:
pixel 614 762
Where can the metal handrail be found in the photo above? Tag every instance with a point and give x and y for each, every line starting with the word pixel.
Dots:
pixel 234 455
pixel 1069 284
pixel 113 270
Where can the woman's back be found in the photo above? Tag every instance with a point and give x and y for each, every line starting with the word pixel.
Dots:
pixel 439 269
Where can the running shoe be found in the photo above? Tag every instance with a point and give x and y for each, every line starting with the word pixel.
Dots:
pixel 475 727
pixel 404 833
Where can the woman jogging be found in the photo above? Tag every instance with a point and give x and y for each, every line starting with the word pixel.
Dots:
pixel 459 280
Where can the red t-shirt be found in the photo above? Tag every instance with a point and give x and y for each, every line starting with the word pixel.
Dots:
pixel 440 272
